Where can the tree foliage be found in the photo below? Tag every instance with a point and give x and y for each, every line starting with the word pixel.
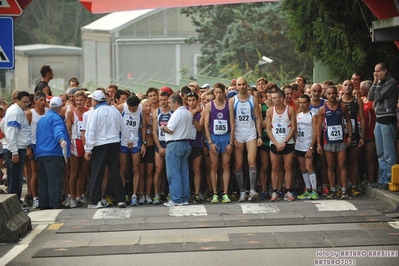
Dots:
pixel 337 34
pixel 52 22
pixel 237 36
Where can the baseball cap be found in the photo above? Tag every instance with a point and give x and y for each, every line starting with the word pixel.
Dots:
pixel 55 102
pixel 206 86
pixel 98 96
pixel 233 81
pixel 72 90
pixel 167 89
pixel 48 98
pixel 232 93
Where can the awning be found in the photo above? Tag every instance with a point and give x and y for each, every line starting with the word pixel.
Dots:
pixel 107 6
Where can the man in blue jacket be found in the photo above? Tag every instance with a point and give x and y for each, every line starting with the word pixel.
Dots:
pixel 51 139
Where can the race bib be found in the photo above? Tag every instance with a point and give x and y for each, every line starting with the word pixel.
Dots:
pixel 131 124
pixel 300 133
pixel 280 130
pixel 80 128
pixel 335 133
pixel 161 134
pixel 219 127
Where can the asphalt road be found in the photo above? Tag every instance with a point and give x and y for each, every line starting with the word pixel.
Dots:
pixel 324 232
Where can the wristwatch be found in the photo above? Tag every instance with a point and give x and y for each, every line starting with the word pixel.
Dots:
pixel 145 142
pixel 310 148
pixel 285 141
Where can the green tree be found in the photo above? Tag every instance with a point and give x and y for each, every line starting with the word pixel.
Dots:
pixel 337 34
pixel 239 35
pixel 52 22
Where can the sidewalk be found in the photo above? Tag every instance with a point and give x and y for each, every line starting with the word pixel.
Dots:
pixel 391 198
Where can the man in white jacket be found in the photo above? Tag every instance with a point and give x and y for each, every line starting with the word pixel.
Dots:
pixel 102 148
pixel 17 133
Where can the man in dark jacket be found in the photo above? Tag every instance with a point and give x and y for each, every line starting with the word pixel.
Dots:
pixel 384 93
pixel 52 149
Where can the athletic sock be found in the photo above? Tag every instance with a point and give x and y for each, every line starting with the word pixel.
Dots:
pixel 306 179
pixel 313 180
pixel 252 177
pixel 240 180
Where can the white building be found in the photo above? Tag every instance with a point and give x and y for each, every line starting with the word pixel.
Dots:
pixel 137 48
pixel 65 61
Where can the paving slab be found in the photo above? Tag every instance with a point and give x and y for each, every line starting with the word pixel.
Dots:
pixel 301 240
pixel 158 248
pixel 133 240
pixel 204 224
pixel 350 238
pixel 67 243
pixel 108 250
pixel 209 246
pixel 204 238
pixel 151 240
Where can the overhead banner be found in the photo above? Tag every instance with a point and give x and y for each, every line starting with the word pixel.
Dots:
pixel 106 6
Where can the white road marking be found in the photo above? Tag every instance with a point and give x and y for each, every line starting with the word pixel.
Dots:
pixel 259 208
pixel 44 217
pixel 23 244
pixel 334 205
pixel 394 224
pixel 191 210
pixel 112 213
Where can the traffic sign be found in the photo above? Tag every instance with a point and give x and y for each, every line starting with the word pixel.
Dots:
pixel 10 8
pixel 6 42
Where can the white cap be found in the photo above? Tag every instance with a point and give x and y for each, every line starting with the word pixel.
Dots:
pixel 55 102
pixel 98 96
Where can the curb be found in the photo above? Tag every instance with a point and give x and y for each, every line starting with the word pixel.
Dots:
pixel 385 195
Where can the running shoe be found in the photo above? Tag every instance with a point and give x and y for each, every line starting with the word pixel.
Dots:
pixel 82 202
pixel 263 195
pixel 234 196
pixel 168 197
pixel 67 201
pixel 344 195
pixel 28 200
pixel 210 197
pixel 339 192
pixel 225 199
pixel 109 200
pixel 126 198
pixel 289 197
pixel 98 206
pixel 242 197
pixel 105 203
pixel 253 195
pixel 201 196
pixel 305 195
pixel 314 195
pixel 326 191
pixel 142 200
pixel 148 200
pixel 355 192
pixel 157 199
pixel 215 198
pixel 332 195
pixel 73 203
pixel 133 201
pixel 121 204
pixel 196 199
pixel 274 197
pixel 172 204
pixel 35 203
pixel 185 203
